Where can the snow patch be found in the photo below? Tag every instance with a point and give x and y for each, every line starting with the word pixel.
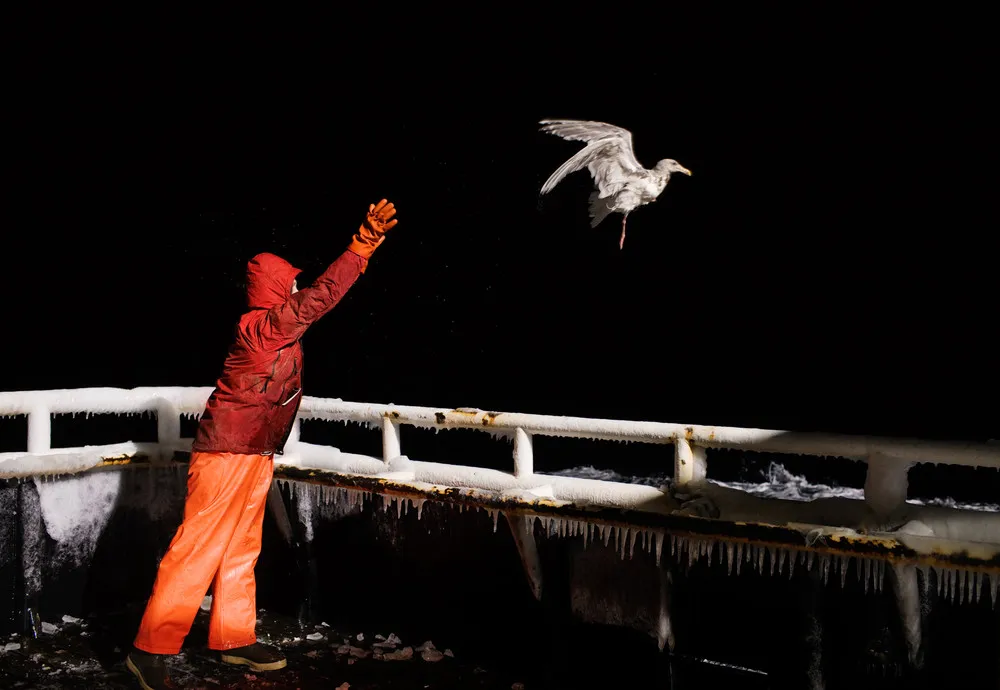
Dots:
pixel 75 511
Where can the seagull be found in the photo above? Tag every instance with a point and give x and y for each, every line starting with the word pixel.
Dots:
pixel 622 183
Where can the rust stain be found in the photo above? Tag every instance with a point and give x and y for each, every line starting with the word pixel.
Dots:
pixel 489 418
pixel 440 417
pixel 116 460
pixel 689 432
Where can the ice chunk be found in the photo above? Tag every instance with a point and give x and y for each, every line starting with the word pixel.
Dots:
pixel 399 655
pixel 431 655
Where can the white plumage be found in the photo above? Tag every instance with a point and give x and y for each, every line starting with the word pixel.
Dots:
pixel 622 183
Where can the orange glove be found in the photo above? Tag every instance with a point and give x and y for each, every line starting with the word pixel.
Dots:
pixel 372 231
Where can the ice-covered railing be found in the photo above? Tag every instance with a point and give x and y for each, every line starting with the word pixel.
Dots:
pixel 888 458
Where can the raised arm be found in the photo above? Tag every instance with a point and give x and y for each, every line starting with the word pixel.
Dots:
pixel 287 322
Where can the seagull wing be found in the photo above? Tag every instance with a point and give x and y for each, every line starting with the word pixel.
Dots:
pixel 608 154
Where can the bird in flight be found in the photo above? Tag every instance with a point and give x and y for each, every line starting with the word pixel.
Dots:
pixel 622 183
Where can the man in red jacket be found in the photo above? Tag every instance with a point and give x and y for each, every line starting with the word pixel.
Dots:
pixel 247 419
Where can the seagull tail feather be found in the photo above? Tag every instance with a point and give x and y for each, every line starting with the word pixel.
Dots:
pixel 599 209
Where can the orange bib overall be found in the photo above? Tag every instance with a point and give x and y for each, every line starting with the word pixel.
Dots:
pixel 217 544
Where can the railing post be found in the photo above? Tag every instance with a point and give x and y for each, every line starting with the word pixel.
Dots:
pixel 390 439
pixel 296 432
pixel 886 484
pixel 168 428
pixel 524 459
pixel 690 462
pixel 39 429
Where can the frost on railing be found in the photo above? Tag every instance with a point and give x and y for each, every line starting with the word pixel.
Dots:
pixel 885 488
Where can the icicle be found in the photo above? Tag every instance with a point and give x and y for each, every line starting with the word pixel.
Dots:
pixel 760 560
pixel 659 546
pixel 682 544
pixel 420 507
pixel 709 549
pixel 868 572
pixel 618 536
pixel 631 548
pixel 399 507
pixel 673 544
pixel 881 575
pixel 809 560
pixel 825 568
pixel 978 584
pixel 792 557
pixel 994 582
pixel 962 575
pixel 730 552
pixel 781 559
pixel 845 562
pixel 772 554
pixel 940 581
pixel 606 531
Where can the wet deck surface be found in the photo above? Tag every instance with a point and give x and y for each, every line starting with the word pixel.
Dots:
pixel 91 654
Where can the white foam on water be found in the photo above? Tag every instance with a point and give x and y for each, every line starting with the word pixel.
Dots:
pixel 778 483
pixel 591 472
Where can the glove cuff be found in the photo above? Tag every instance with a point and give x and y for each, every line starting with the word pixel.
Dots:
pixel 363 248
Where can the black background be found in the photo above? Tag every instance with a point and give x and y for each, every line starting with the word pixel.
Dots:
pixel 829 265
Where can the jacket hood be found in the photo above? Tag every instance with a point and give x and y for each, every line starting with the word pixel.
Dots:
pixel 269 281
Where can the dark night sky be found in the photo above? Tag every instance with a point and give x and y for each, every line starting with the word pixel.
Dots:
pixel 829 265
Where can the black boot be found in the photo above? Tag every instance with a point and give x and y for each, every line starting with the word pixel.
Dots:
pixel 257 656
pixel 150 669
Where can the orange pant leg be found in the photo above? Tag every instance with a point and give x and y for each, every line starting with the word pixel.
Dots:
pixel 220 486
pixel 233 621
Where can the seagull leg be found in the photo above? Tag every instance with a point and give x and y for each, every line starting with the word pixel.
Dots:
pixel 621 242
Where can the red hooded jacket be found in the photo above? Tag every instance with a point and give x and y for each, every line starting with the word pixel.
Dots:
pixel 258 394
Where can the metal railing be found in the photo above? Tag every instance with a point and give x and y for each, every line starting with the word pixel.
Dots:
pixel 888 458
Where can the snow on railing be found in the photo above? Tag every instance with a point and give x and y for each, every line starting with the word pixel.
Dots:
pixel 888 458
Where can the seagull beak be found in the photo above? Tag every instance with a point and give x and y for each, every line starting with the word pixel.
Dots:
pixel 686 172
